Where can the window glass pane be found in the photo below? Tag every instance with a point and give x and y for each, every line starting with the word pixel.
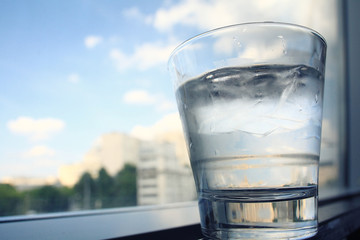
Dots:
pixel 88 116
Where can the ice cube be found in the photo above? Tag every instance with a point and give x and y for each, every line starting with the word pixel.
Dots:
pixel 238 115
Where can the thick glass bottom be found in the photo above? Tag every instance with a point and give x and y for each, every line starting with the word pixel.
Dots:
pixel 259 214
pixel 260 233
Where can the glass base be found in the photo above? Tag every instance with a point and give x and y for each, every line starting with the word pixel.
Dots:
pixel 259 213
pixel 260 233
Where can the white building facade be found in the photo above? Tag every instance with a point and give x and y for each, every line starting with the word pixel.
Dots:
pixel 163 170
pixel 161 177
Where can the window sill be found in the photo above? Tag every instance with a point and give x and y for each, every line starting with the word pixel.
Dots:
pixel 339 218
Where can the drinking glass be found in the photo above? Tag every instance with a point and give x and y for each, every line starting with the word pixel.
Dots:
pixel 250 99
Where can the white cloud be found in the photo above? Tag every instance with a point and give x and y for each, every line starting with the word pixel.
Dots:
pixel 141 97
pixel 74 78
pixel 169 123
pixel 165 105
pixel 262 52
pixel 134 13
pixel 122 61
pixel 36 129
pixel 224 45
pixel 144 56
pixel 45 162
pixel 203 14
pixel 39 151
pixel 92 41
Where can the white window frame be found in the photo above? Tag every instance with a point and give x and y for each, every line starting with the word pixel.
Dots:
pixel 100 224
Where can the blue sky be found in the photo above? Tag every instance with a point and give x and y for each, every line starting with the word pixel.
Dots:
pixel 71 71
pixel 56 64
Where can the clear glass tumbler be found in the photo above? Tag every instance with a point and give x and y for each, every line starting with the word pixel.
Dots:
pixel 250 99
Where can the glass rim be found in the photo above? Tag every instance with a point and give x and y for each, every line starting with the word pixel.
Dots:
pixel 266 23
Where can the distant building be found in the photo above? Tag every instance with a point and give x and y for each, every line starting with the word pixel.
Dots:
pixel 163 169
pixel 115 150
pixel 112 151
pixel 27 183
pixel 161 177
pixel 177 138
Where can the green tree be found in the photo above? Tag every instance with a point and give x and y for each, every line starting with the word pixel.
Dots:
pixel 104 189
pixel 49 199
pixel 85 190
pixel 10 200
pixel 125 186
